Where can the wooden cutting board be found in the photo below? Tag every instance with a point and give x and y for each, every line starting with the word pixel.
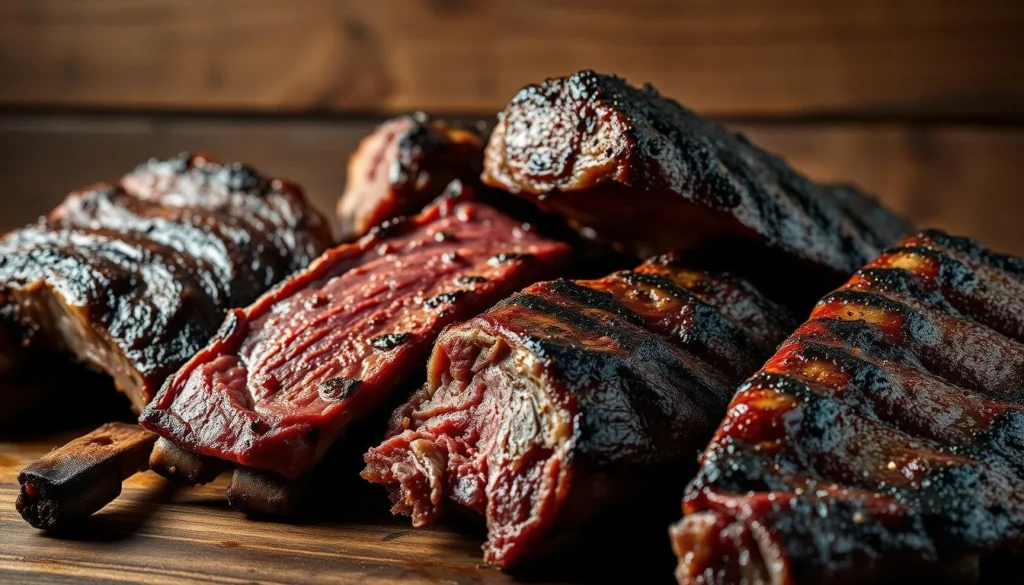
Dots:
pixel 155 533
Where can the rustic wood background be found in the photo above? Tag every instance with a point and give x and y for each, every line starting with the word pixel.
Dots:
pixel 919 101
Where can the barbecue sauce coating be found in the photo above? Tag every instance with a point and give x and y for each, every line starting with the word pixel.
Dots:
pixel 134 278
pixel 638 169
pixel 287 374
pixel 884 438
pixel 567 403
pixel 402 166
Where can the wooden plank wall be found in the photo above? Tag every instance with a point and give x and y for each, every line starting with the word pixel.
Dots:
pixel 920 101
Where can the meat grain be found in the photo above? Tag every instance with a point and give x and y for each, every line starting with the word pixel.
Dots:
pixel 288 374
pixel 572 402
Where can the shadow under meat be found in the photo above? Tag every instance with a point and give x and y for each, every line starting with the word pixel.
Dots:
pixel 46 394
pixel 112 525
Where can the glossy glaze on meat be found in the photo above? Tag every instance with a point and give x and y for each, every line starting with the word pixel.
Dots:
pixel 630 166
pixel 134 278
pixel 290 372
pixel 568 402
pixel 883 441
pixel 404 165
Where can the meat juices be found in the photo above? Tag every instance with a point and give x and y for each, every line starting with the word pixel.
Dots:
pixel 632 167
pixel 134 278
pixel 571 399
pixel 404 165
pixel 289 373
pixel 883 441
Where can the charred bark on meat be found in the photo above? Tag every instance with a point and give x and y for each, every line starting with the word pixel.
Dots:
pixel 634 168
pixel 883 439
pixel 134 278
pixel 572 403
pixel 403 165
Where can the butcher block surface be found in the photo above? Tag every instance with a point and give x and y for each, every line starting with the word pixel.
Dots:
pixel 156 533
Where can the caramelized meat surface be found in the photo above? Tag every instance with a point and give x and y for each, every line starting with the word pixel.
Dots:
pixel 289 373
pixel 883 440
pixel 403 166
pixel 566 404
pixel 134 278
pixel 632 167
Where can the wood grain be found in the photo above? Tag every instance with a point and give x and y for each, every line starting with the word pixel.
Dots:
pixel 158 533
pixel 961 178
pixel 82 476
pixel 735 57
pixel 154 534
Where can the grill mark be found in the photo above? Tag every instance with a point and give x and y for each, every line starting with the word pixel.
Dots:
pixel 601 300
pixel 716 285
pixel 867 375
pixel 975 251
pixel 899 282
pixel 871 299
pixel 626 335
pixel 656 281
pixel 235 235
pixel 818 409
pixel 962 501
pixel 942 304
pixel 703 312
pixel 959 287
pixel 919 326
pixel 561 313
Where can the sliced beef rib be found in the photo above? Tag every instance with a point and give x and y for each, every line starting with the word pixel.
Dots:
pixel 290 372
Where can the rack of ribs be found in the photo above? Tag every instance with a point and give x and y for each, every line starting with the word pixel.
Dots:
pixel 631 167
pixel 134 278
pixel 291 372
pixel 574 401
pixel 883 441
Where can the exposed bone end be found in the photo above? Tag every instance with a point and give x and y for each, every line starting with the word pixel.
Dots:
pixel 264 493
pixel 76 480
pixel 184 466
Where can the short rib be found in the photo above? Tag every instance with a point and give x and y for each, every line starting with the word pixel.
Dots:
pixel 632 167
pixel 574 401
pixel 136 277
pixel 883 442
pixel 288 374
